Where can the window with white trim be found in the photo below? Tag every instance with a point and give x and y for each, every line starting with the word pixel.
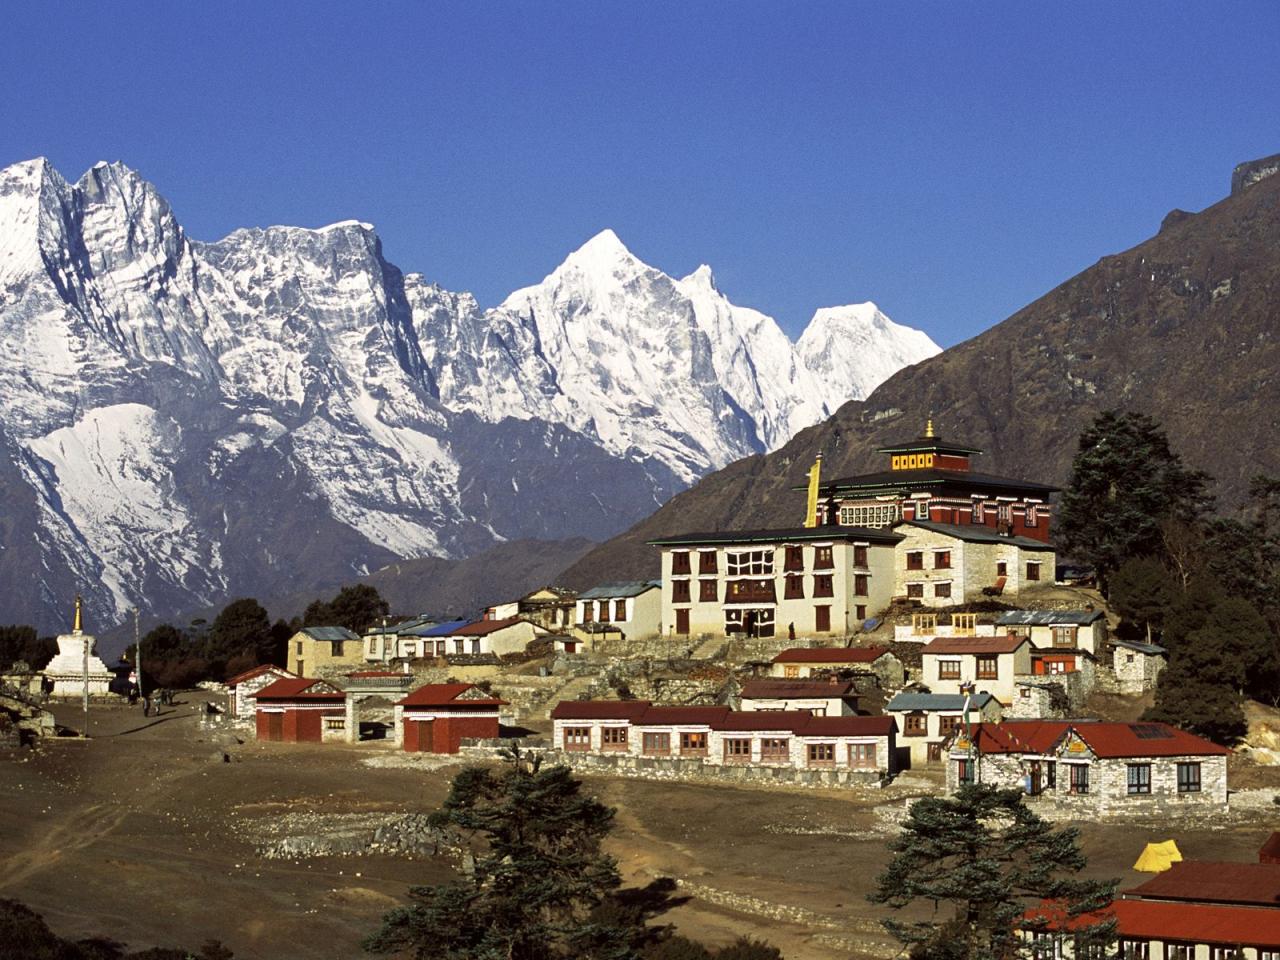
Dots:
pixel 746 563
pixel 869 515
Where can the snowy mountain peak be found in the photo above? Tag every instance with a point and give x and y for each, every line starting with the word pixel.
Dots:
pixel 858 345
pixel 701 277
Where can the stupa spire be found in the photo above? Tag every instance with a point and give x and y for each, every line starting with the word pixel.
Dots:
pixel 78 626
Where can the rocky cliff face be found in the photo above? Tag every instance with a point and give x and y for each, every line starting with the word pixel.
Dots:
pixel 1185 327
pixel 183 421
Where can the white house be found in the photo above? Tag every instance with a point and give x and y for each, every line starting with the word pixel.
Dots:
pixel 632 608
pixel 926 720
pixel 822 698
pixel 990 664
pixel 1057 629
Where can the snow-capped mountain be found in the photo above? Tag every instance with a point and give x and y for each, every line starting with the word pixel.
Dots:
pixel 283 408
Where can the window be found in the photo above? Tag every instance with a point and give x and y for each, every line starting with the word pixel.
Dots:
pixel 1033 515
pixel 706 561
pixel 1078 780
pixel 791 671
pixel 859 556
pixel 744 563
pixel 588 611
pixel 737 750
pixel 298 651
pixel 706 591
pixel 915 725
pixel 335 723
pixel 693 744
pixel 603 605
pixel 978 513
pixel 775 749
pixel 1188 778
pixel 942 559
pixel 948 669
pixel 1004 512
pixel 679 591
pixel 613 738
pixel 1138 779
pixel 1002 568
pixel 822 754
pixel 822 558
pixel 942 589
pixel 964 624
pixel 948 725
pixel 822 619
pixel 475 645
pixel 752 623
pixel 577 738
pixel 1051 773
pixel 1085 950
pixel 1133 949
pixel 988 667
pixel 793 559
pixel 862 756
pixel 861 584
pixel 410 648
pixel 915 591
pixel 1046 946
pixel 1179 951
pixel 1064 636
pixel 680 561
pixel 441 648
pixel 915 559
pixel 822 585
pixel 1128 658
pixel 922 509
pixel 964 771
pixel 1222 952
pixel 1033 569
pixel 869 515
pixel 860 611
pixel 654 744
pixel 794 587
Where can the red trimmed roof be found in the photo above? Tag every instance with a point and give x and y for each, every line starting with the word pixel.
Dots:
pixel 259 671
pixel 298 688
pixel 830 655
pixel 796 689
pixel 847 727
pixel 1194 922
pixel 748 721
pixel 1270 852
pixel 662 716
pixel 1213 882
pixel 599 709
pixel 1107 740
pixel 974 644
pixel 481 628
pixel 446 695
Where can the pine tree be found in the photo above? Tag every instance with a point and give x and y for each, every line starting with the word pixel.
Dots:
pixel 1141 591
pixel 538 881
pixel 991 859
pixel 1125 482
pixel 355 607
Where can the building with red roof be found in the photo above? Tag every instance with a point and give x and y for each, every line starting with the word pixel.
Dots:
pixel 437 717
pixel 1094 768
pixel 717 736
pixel 991 664
pixel 798 663
pixel 822 698
pixel 300 709
pixel 243 686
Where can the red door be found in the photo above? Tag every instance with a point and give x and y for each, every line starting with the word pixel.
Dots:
pixel 275 726
pixel 682 622
pixel 822 619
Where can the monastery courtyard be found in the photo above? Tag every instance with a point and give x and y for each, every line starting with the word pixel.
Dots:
pixel 130 833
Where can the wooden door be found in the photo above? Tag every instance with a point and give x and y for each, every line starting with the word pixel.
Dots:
pixel 1034 775
pixel 682 622
pixel 822 619
pixel 275 726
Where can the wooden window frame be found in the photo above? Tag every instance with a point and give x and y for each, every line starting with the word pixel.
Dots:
pixel 949 725
pixel 823 585
pixel 915 559
pixel 942 559
pixel 1033 571
pixel 655 743
pixel 576 739
pixel 680 591
pixel 793 559
pixel 858 757
pixel 680 565
pixel 942 590
pixel 793 587
pixel 820 755
pixel 733 752
pixel 1139 785
pixel 1071 633
pixel 708 591
pixel 915 591
pixel 707 562
pixel 824 558
pixel 614 739
pixel 860 555
pixel 987 666
pixel 949 669
pixel 915 725
pixel 1078 779
pixel 861 584
pixel 1186 785
pixel 775 748
pixel 603 612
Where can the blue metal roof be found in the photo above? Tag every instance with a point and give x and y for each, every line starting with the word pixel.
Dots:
pixel 440 629
pixel 1046 618
pixel 938 701
pixel 329 633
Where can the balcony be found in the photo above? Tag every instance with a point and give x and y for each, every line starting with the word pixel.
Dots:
pixel 750 591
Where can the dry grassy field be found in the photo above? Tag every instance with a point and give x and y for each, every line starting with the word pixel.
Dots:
pixel 143 833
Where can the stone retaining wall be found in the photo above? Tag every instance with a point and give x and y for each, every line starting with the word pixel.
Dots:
pixel 693 770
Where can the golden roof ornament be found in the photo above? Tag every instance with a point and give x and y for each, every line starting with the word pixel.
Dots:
pixel 79 622
pixel 928 428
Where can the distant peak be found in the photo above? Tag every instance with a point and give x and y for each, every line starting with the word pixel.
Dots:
pixel 347 225
pixel 604 242
pixel 1247 174
pixel 702 276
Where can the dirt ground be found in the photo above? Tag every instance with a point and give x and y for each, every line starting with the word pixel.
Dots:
pixel 143 833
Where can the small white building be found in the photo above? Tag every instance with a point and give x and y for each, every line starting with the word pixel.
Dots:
pixel 926 720
pixel 244 687
pixel 991 664
pixel 1057 629
pixel 498 637
pixel 76 669
pixel 1137 665
pixel 633 608
pixel 822 698
pixel 801 662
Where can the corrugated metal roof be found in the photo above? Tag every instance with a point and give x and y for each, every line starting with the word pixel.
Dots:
pixel 619 590
pixel 796 689
pixel 1048 618
pixel 329 633
pixel 1106 739
pixel 937 701
pixel 781 535
pixel 1161 920
pixel 913 479
pixel 299 688
pixel 599 709
pixel 1215 882
pixel 973 533
pixel 975 645
pixel 258 671
pixel 1151 649
pixel 440 629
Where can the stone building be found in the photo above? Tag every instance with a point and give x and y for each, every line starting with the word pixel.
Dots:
pixel 720 736
pixel 1058 629
pixel 300 710
pixel 1137 665
pixel 800 662
pixel 437 717
pixel 1084 768
pixel 630 609
pixel 323 651
pixel 942 565
pixel 822 698
pixel 243 687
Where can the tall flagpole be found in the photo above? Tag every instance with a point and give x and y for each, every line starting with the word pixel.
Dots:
pixel 137 650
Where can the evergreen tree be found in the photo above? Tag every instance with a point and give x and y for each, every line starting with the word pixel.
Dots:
pixel 1142 591
pixel 538 880
pixel 20 643
pixel 991 859
pixel 1125 482
pixel 242 627
pixel 355 607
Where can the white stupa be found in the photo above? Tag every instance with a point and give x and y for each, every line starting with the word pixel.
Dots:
pixel 67 669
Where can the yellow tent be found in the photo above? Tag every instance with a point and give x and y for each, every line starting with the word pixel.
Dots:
pixel 1158 857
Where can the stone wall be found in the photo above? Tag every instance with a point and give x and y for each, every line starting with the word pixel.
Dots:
pixel 694 770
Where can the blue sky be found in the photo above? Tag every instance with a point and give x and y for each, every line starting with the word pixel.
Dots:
pixel 951 162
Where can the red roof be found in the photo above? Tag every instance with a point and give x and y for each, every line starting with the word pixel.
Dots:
pixel 1195 922
pixel 298 688
pixel 1106 740
pixel 847 727
pixel 662 716
pixel 748 721
pixel 259 671
pixel 481 628
pixel 599 709
pixel 1212 882
pixel 446 694
pixel 796 689
pixel 830 655
pixel 974 644
pixel 1270 852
